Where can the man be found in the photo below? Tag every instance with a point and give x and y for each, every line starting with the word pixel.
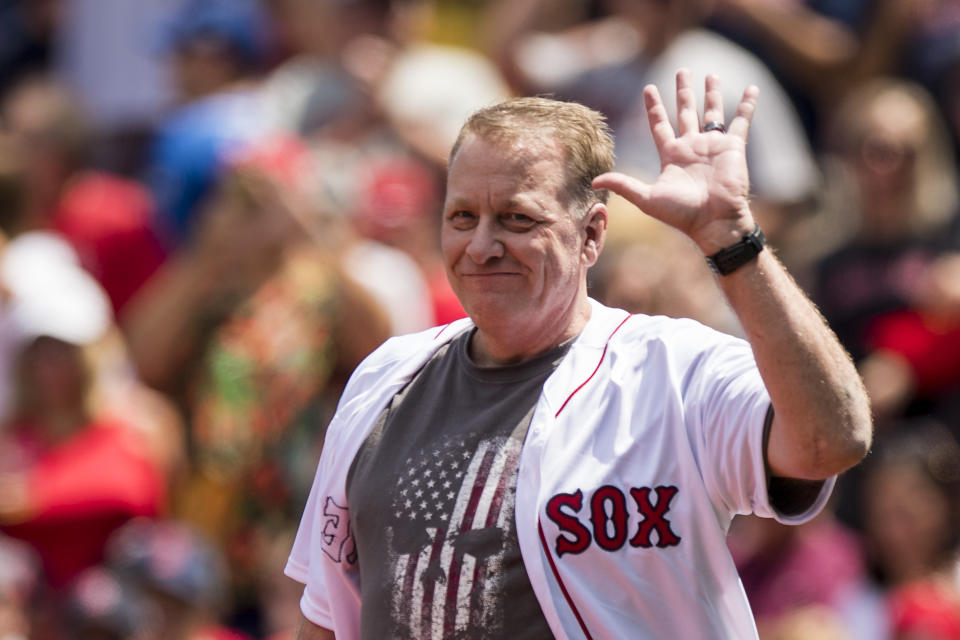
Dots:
pixel 556 467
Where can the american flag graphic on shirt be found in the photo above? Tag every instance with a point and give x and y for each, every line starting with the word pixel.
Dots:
pixel 448 527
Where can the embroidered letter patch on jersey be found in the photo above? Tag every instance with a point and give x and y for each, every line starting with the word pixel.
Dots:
pixel 609 519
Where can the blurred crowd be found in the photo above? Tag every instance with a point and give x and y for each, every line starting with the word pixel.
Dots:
pixel 212 210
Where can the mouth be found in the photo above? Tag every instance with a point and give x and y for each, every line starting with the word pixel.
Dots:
pixel 488 277
pixel 489 274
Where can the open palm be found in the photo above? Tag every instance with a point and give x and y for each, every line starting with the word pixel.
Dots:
pixel 703 187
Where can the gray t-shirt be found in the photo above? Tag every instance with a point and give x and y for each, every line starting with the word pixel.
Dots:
pixel 431 494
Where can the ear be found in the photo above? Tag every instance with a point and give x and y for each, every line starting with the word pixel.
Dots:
pixel 595 232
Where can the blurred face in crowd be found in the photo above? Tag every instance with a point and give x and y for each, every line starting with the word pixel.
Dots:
pixel 249 222
pixel 515 245
pixel 899 158
pixel 893 129
pixel 325 27
pixel 907 520
pixel 308 26
pixel 53 376
pixel 203 66
pixel 41 124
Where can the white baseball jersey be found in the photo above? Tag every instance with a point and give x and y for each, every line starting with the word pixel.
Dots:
pixel 646 440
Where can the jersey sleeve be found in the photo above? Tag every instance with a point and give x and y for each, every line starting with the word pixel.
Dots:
pixel 727 405
pixel 313 603
pixel 305 562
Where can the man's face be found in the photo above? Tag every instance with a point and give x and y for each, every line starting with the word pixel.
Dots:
pixel 513 249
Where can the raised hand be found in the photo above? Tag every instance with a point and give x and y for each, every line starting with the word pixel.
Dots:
pixel 703 188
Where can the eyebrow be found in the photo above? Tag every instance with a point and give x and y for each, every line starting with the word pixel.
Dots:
pixel 458 203
pixel 513 203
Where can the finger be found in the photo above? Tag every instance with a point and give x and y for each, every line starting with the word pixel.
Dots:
pixel 657 116
pixel 740 126
pixel 635 191
pixel 687 119
pixel 712 100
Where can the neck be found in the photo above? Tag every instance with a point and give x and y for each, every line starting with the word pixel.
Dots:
pixel 509 344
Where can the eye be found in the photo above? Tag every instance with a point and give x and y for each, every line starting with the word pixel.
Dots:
pixel 462 219
pixel 517 221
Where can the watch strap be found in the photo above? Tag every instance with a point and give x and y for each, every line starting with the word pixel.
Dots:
pixel 728 260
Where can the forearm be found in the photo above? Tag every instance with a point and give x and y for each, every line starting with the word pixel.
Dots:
pixel 504 26
pixel 309 631
pixel 822 416
pixel 161 325
pixel 882 45
pixel 809 43
pixel 822 424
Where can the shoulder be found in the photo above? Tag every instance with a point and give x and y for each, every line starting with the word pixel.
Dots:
pixel 681 335
pixel 380 373
pixel 404 348
pixel 638 338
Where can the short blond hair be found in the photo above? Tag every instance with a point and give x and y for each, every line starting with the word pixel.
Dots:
pixel 582 133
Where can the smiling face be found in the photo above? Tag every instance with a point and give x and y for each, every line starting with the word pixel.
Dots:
pixel 515 245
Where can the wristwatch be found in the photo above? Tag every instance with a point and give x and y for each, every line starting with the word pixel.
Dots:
pixel 728 260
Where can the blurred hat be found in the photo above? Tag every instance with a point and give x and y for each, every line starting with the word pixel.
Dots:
pixel 169 557
pixel 284 158
pixel 98 601
pixel 241 24
pixel 50 294
pixel 397 192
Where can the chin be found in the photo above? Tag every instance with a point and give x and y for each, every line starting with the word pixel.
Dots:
pixel 493 312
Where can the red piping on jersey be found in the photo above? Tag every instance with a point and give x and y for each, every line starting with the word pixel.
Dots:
pixel 556 574
pixel 442 329
pixel 602 356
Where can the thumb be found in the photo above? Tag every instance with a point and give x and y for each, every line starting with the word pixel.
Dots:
pixel 635 191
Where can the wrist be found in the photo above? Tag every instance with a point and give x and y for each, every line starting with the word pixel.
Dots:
pixel 721 234
pixel 745 250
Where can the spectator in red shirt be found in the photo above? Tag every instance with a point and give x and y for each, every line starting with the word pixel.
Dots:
pixel 69 474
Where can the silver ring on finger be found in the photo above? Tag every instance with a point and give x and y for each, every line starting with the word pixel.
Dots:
pixel 715 125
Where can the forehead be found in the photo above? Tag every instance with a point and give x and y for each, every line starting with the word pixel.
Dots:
pixel 496 168
pixel 896 115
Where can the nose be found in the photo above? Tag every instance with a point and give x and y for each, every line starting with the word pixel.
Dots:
pixel 485 244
